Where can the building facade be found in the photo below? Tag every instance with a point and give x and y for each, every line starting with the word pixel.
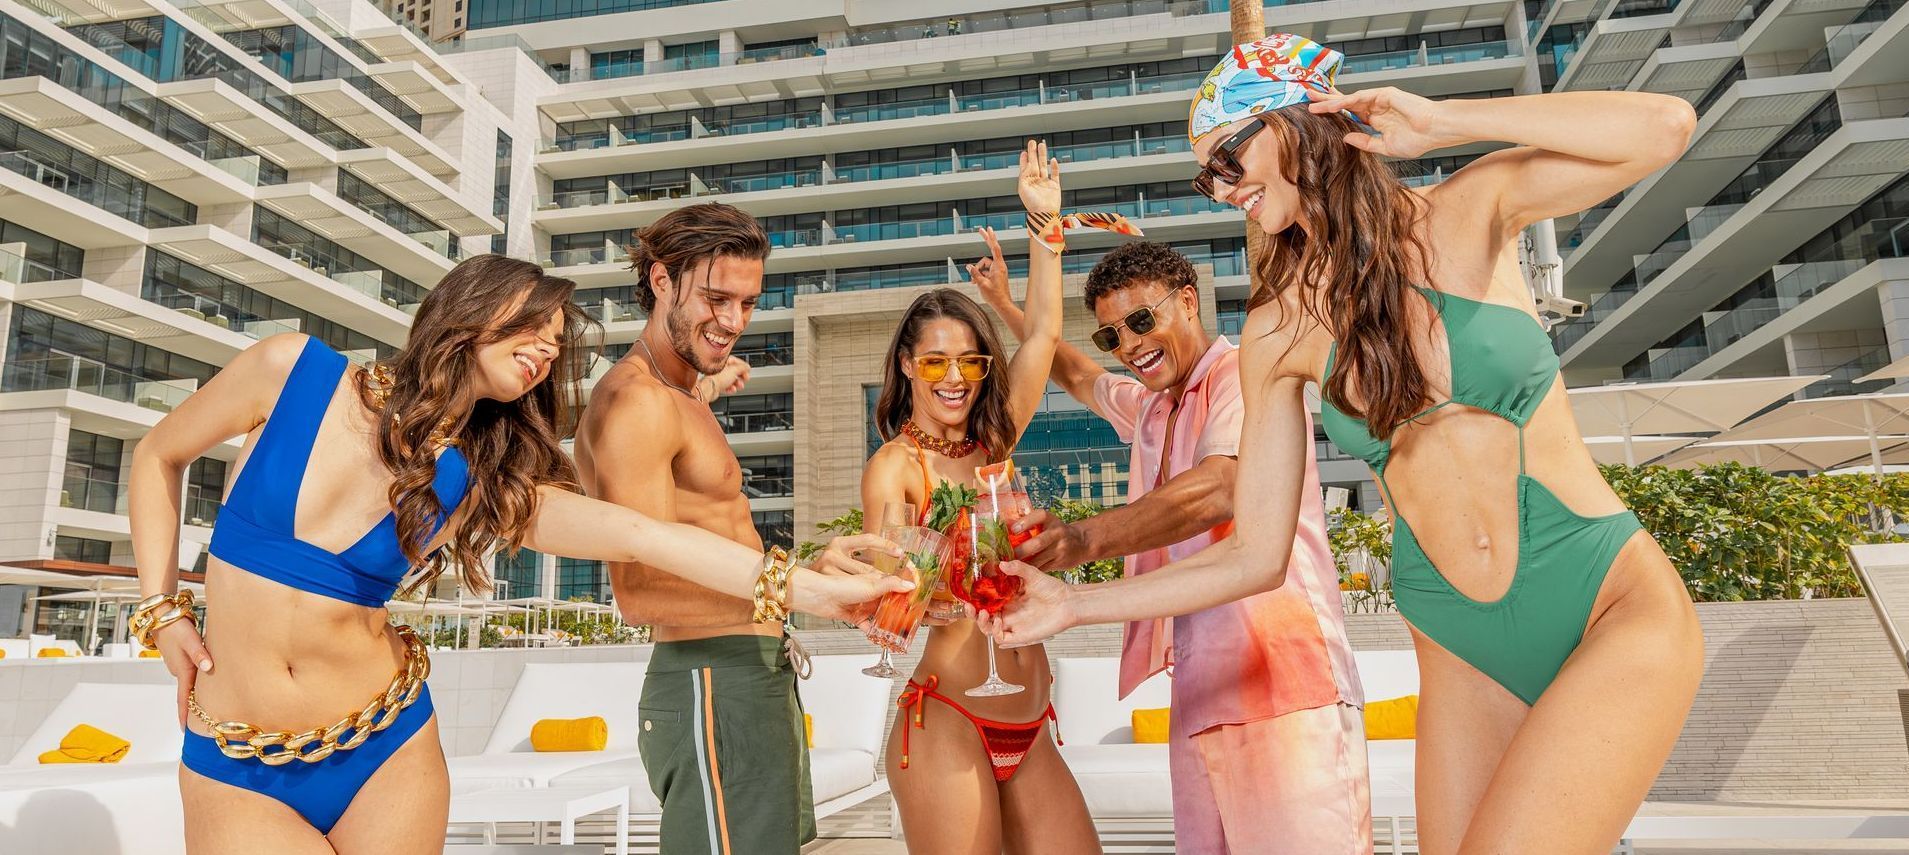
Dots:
pixel 185 176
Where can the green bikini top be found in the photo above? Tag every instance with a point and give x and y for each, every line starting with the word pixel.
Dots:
pixel 1502 363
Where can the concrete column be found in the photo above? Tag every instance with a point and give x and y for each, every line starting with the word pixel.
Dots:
pixel 580 63
pixel 653 50
pixel 122 269
pixel 33 453
pixel 1821 352
pixel 728 43
pixel 547 577
pixel 1893 296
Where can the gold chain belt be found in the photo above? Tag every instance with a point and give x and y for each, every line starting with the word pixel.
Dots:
pixel 241 741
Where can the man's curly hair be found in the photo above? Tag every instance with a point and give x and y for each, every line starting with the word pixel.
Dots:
pixel 1138 263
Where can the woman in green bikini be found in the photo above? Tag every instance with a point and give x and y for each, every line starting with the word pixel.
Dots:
pixel 1558 650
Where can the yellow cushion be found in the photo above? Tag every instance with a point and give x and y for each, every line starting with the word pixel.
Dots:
pixel 808 727
pixel 570 734
pixel 1393 719
pixel 51 652
pixel 87 744
pixel 1150 726
pixel 149 654
pixel 3 654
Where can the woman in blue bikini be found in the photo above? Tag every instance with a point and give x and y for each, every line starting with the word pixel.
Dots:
pixel 1558 651
pixel 313 731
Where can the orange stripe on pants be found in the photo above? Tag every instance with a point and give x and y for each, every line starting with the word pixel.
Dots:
pixel 715 774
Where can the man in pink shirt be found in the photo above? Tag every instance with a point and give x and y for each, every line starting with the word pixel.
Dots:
pixel 1267 739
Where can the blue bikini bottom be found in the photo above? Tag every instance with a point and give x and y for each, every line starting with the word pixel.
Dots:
pixel 320 791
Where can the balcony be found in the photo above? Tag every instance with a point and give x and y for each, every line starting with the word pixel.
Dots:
pixel 236 115
pixel 99 495
pixel 1842 379
pixel 420 257
pixel 72 119
pixel 80 374
pixel 298 275
pixel 193 334
pixel 403 180
pixel 1610 53
pixel 1810 194
pixel 871 185
pixel 354 111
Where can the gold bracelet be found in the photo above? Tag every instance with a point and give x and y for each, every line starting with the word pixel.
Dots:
pixel 147 619
pixel 772 587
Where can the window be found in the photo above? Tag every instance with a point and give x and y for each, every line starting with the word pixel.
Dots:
pixel 205 488
pixel 579 578
pixel 519 574
pixel 82 549
pixel 92 472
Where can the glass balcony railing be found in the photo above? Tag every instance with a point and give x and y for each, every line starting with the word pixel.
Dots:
pixel 762 124
pixel 1068 92
pixel 893 110
pixel 65 371
pixel 582 255
pixel 113 199
pixel 1670 362
pixel 760 183
pixel 795 237
pixel 769 488
pixel 92 494
pixel 903 230
pixel 899 169
pixel 767 355
pixel 1792 288
pixel 1649 267
pixel 201 510
pixel 1181 206
pixel 370 283
pixel 1842 378
pixel 21 270
pixel 740 423
pixel 1705 220
pixel 1841 42
pixel 997 100
pixel 1602 306
pixel 608 311
pixel 867 280
pixel 1231 323
pixel 1426 55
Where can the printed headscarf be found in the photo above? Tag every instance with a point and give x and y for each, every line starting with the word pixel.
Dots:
pixel 1274 72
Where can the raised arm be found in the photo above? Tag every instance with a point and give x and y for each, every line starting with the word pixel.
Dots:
pixel 1574 149
pixel 1273 452
pixel 1040 188
pixel 1073 369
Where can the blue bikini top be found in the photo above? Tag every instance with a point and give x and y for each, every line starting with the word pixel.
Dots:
pixel 254 531
pixel 1502 362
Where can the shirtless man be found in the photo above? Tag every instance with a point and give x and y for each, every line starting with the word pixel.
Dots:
pixel 722 739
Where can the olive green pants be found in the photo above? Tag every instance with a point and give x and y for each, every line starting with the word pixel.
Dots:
pixel 725 748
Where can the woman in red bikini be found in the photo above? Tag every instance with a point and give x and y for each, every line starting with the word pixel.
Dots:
pixel 973 775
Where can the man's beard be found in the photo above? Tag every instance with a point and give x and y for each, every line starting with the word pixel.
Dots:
pixel 682 339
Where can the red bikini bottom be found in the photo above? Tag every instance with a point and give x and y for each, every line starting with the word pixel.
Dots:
pixel 1007 743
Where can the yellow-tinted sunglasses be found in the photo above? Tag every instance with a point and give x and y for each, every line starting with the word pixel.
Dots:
pixel 934 369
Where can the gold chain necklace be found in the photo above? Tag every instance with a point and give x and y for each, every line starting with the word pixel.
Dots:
pixel 956 449
pixel 380 393
pixel 654 369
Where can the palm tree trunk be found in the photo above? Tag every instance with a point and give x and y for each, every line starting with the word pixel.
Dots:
pixel 1249 24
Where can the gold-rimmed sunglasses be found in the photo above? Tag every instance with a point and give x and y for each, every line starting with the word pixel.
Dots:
pixel 1140 321
pixel 934 369
pixel 1223 162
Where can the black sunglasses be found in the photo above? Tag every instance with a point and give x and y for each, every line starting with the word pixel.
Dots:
pixel 1140 321
pixel 1223 163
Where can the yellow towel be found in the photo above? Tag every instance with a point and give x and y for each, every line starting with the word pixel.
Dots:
pixel 51 653
pixel 570 734
pixel 808 727
pixel 1150 726
pixel 1393 719
pixel 87 744
pixel 3 654
pixel 149 654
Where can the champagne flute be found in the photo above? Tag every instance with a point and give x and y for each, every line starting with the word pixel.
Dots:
pixel 987 588
pixel 894 515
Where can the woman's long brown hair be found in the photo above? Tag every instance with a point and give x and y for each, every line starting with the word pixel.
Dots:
pixel 989 420
pixel 1358 258
pixel 510 447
